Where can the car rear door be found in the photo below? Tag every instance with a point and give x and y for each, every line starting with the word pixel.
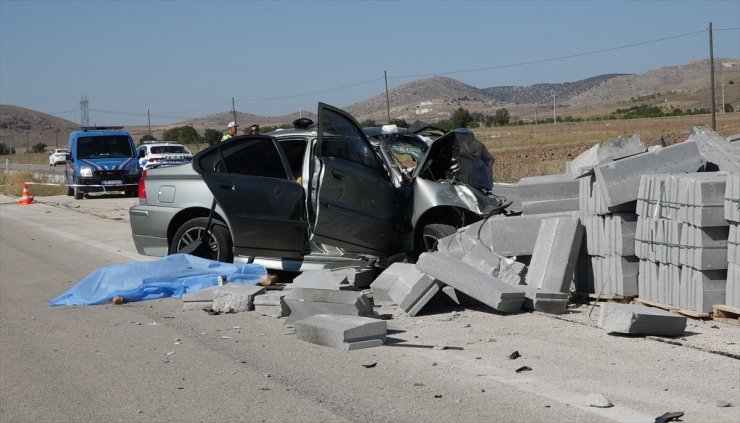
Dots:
pixel 251 180
pixel 357 207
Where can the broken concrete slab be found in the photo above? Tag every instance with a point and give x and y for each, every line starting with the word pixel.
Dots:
pixel 491 291
pixel 555 254
pixel 271 304
pixel 635 319
pixel 305 302
pixel 607 150
pixel 341 331
pixel 357 277
pixel 507 269
pixel 715 149
pixel 405 285
pixel 235 298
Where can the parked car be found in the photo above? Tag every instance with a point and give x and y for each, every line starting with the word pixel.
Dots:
pixel 314 194
pixel 57 156
pixel 101 159
pixel 162 153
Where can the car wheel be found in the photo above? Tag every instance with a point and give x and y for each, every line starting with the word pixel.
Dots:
pixel 432 233
pixel 78 192
pixel 219 242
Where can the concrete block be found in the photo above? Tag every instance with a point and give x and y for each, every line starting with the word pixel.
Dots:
pixel 507 269
pixel 406 286
pixel 715 149
pixel 635 319
pixel 607 150
pixel 544 301
pixel 732 198
pixel 550 206
pixel 198 300
pixel 505 235
pixel 548 187
pixel 490 291
pixel 235 297
pixel 305 302
pixel 620 179
pixel 322 279
pixel 357 277
pixel 555 254
pixel 341 331
pixel 271 304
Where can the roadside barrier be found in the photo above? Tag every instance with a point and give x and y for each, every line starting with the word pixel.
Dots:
pixel 26 198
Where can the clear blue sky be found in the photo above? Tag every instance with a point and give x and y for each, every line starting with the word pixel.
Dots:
pixel 182 59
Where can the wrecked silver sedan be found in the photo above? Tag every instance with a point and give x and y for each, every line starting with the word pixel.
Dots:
pixel 320 193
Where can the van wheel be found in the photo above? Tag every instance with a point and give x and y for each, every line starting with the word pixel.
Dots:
pixel 432 233
pixel 79 195
pixel 219 242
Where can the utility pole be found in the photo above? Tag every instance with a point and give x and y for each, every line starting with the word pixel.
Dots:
pixel 149 120
pixel 387 100
pixel 27 152
pixel 535 116
pixel 233 108
pixel 711 70
pixel 554 118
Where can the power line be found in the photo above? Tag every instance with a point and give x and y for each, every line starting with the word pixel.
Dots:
pixel 570 56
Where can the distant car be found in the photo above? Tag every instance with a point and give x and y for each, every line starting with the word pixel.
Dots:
pixel 57 156
pixel 162 153
pixel 303 198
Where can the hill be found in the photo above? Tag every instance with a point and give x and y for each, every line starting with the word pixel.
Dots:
pixel 431 99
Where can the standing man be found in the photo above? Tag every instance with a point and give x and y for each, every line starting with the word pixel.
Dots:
pixel 230 131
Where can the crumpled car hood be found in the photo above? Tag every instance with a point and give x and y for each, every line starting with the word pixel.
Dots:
pixel 458 157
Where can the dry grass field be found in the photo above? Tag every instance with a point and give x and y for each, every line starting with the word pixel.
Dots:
pixel 534 150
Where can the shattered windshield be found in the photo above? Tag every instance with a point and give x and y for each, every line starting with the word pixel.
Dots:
pixel 408 150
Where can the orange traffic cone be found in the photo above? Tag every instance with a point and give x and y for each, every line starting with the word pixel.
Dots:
pixel 26 199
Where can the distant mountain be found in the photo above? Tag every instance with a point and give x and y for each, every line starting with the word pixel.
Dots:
pixel 431 99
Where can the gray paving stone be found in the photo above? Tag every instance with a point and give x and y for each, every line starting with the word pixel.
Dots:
pixel 322 279
pixel 357 278
pixel 305 302
pixel 235 297
pixel 544 301
pixel 716 149
pixel 548 187
pixel 635 319
pixel 550 206
pixel 271 304
pixel 405 285
pixel 620 179
pixel 489 290
pixel 555 255
pixel 496 265
pixel 341 331
pixel 607 150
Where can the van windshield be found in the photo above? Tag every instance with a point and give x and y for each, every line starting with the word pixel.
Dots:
pixel 107 146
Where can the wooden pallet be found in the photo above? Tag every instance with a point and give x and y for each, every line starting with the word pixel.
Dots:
pixel 587 298
pixel 726 313
pixel 674 309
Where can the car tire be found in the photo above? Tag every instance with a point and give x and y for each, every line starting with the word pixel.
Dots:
pixel 432 233
pixel 79 195
pixel 220 239
pixel 70 190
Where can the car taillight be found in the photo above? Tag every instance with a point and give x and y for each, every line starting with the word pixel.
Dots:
pixel 142 188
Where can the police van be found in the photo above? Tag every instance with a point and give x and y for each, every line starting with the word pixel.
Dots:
pixel 101 159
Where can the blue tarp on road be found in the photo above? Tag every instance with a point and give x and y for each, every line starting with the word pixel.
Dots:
pixel 171 276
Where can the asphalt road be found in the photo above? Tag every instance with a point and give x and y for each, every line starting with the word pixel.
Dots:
pixel 150 361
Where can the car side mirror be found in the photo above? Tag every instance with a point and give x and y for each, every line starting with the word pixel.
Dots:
pixel 142 153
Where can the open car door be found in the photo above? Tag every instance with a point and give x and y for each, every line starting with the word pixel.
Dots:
pixel 357 206
pixel 251 180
